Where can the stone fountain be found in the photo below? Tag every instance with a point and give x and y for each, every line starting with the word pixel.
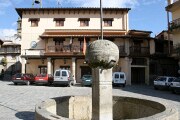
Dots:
pixel 101 56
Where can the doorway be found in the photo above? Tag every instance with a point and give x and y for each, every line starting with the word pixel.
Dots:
pixel 137 75
pixel 86 70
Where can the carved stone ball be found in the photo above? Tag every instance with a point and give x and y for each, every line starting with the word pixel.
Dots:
pixel 102 53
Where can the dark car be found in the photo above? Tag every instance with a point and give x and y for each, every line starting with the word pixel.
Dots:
pixel 44 79
pixel 86 80
pixel 23 78
pixel 175 85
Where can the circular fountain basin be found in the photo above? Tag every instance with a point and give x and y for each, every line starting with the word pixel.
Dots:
pixel 80 108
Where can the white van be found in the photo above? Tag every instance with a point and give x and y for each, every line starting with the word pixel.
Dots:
pixel 63 77
pixel 119 78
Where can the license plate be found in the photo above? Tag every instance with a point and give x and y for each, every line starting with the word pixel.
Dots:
pixel 18 78
pixel 40 79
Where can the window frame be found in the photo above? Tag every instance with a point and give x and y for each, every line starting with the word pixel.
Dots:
pixel 84 22
pixel 108 22
pixel 59 22
pixel 34 22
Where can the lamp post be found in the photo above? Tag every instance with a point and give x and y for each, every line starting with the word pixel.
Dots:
pixel 37 2
pixel 101 21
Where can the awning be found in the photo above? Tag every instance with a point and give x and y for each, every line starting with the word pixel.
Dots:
pixel 51 33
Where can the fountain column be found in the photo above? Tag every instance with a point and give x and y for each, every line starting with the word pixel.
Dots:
pixel 102 94
pixel 101 56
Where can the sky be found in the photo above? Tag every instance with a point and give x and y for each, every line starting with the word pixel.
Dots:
pixel 148 15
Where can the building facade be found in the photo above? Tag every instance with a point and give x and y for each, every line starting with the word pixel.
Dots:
pixel 10 59
pixel 173 9
pixel 53 38
pixel 174 25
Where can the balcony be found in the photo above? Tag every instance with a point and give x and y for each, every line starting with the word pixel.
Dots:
pixel 122 51
pixel 4 51
pixel 174 25
pixel 176 51
pixel 64 50
pixel 139 51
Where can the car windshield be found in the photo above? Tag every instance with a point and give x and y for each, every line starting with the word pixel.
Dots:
pixel 87 76
pixel 18 75
pixel 176 80
pixel 161 79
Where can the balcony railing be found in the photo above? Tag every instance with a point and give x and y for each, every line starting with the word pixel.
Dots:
pixel 139 51
pixel 75 49
pixel 122 51
pixel 175 24
pixel 64 48
pixel 10 51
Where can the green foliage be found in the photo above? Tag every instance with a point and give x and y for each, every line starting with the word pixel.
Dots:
pixel 4 61
pixel 174 26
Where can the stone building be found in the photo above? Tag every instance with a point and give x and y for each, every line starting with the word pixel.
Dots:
pixel 10 59
pixel 53 38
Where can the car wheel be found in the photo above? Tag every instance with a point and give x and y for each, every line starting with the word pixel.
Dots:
pixel 27 83
pixel 15 83
pixel 155 88
pixel 123 85
pixel 71 84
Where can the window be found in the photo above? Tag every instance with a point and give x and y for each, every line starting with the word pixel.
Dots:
pixel 84 21
pixel 59 22
pixel 43 69
pixel 34 22
pixel 64 73
pixel 116 76
pixel 108 22
pixel 121 76
pixel 57 73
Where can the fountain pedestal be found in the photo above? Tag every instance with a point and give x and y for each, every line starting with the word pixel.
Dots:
pixel 102 94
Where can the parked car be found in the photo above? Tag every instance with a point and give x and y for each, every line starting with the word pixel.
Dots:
pixel 44 79
pixel 86 80
pixel 22 78
pixel 63 77
pixel 175 85
pixel 163 82
pixel 119 78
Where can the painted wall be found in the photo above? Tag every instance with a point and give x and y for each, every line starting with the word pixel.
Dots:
pixel 30 34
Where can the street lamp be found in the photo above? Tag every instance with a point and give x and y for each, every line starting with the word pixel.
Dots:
pixel 37 2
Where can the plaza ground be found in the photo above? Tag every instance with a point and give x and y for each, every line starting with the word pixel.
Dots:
pixel 18 102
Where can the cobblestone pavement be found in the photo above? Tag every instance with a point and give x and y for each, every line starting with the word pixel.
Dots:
pixel 18 102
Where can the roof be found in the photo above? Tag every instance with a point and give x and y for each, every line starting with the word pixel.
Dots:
pixel 10 43
pixel 57 33
pixel 172 7
pixel 20 10
pixel 139 33
pixel 80 33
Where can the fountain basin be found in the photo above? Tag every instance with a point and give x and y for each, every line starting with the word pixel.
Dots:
pixel 80 108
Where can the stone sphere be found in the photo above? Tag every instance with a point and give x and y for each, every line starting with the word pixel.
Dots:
pixel 102 53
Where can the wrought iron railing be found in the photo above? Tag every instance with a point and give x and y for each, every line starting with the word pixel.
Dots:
pixel 139 51
pixel 64 48
pixel 122 50
pixel 174 24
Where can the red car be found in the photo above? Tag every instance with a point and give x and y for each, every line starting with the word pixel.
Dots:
pixel 26 78
pixel 44 79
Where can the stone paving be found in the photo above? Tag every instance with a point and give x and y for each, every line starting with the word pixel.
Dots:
pixel 18 102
